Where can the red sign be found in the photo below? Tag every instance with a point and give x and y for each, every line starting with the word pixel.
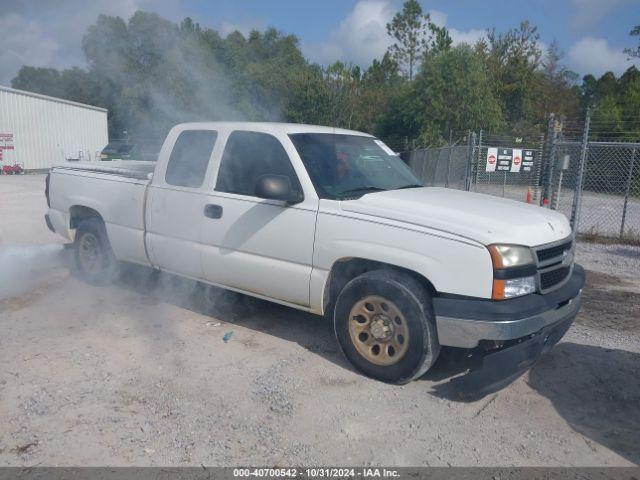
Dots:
pixel 492 159
pixel 516 160
pixel 6 142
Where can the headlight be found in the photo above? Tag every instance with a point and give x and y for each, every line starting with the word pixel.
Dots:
pixel 515 287
pixel 513 270
pixel 505 256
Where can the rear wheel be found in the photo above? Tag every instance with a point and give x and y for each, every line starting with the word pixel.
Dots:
pixel 94 258
pixel 385 325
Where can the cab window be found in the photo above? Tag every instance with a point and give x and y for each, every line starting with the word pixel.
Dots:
pixel 190 157
pixel 250 155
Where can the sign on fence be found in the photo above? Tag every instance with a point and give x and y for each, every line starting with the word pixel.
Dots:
pixel 513 160
pixel 492 156
pixel 527 162
pixel 516 163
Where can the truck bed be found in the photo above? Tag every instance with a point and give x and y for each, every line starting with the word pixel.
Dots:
pixel 139 170
pixel 117 190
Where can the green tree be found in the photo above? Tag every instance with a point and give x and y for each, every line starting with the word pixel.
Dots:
pixel 453 92
pixel 310 99
pixel 266 68
pixel 46 81
pixel 152 73
pixel 413 32
pixel 554 87
pixel 618 103
pixel 512 59
pixel 378 84
pixel 441 39
pixel 399 126
pixel 162 73
pixel 635 51
pixel 629 100
pixel 588 92
pixel 607 85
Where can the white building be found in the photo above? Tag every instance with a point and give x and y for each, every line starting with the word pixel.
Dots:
pixel 37 131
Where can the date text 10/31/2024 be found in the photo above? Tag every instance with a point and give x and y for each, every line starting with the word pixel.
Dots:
pixel 316 472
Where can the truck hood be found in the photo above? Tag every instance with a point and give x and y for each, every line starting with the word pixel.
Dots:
pixel 478 217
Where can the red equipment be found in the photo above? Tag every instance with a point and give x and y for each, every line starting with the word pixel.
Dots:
pixel 15 169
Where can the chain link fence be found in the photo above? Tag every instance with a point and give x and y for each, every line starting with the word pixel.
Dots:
pixel 441 167
pixel 609 199
pixel 572 168
pixel 517 169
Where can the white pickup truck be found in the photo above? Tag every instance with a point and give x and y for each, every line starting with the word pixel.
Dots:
pixel 331 221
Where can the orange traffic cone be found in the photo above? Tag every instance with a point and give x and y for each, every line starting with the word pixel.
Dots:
pixel 529 198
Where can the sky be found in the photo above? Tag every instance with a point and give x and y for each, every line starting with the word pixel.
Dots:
pixel 592 33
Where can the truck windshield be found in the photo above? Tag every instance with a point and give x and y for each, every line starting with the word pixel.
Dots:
pixel 348 166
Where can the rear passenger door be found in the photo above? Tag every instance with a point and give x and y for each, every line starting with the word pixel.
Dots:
pixel 175 203
pixel 258 245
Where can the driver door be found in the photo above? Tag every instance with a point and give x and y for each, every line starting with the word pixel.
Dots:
pixel 252 244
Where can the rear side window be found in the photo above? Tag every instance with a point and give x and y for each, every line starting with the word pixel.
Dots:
pixel 249 155
pixel 190 157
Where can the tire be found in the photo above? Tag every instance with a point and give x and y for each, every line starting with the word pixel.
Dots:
pixel 94 258
pixel 405 332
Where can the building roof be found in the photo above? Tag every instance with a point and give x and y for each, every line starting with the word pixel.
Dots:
pixel 50 99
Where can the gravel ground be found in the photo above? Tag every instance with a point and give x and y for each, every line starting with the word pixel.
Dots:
pixel 610 259
pixel 138 373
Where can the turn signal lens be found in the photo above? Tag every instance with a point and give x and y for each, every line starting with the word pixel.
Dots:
pixel 498 290
pixel 515 287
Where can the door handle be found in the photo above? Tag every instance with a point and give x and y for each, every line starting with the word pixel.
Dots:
pixel 213 211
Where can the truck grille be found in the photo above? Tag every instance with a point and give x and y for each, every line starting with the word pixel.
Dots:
pixel 553 277
pixel 553 252
pixel 555 264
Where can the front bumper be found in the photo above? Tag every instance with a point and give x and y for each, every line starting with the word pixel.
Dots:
pixel 48 222
pixel 500 368
pixel 464 323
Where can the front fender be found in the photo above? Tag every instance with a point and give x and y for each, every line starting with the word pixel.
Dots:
pixel 455 266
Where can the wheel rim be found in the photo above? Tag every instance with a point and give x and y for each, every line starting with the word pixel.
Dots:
pixel 89 253
pixel 378 330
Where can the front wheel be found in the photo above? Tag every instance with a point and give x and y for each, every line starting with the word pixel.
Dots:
pixel 385 326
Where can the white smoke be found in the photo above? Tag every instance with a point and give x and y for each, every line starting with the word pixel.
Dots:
pixel 22 267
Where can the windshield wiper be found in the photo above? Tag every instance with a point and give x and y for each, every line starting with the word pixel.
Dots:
pixel 364 189
pixel 413 185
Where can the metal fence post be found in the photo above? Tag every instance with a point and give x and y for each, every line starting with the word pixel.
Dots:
pixel 577 194
pixel 469 172
pixel 548 176
pixel 504 184
pixel 626 193
pixel 446 181
pixel 478 162
pixel 424 166
pixel 538 171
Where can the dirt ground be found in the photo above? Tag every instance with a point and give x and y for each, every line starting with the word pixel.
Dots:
pixel 138 373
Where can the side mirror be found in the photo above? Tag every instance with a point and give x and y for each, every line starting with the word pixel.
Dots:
pixel 277 187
